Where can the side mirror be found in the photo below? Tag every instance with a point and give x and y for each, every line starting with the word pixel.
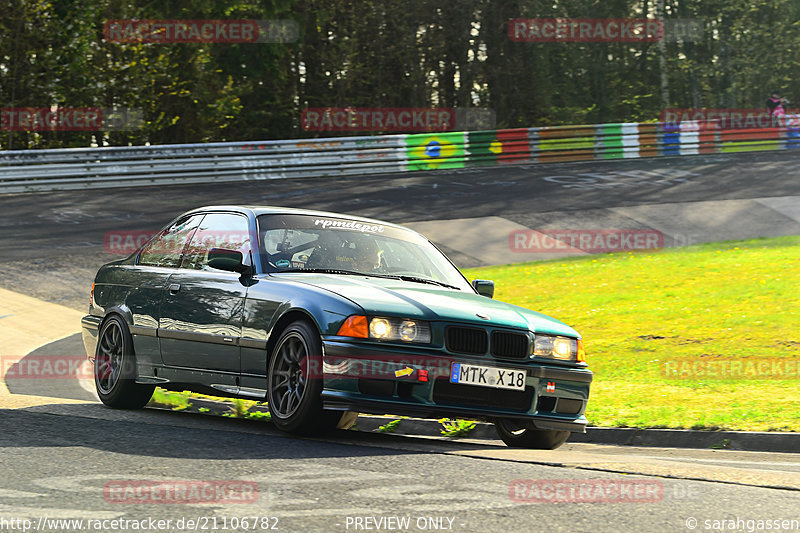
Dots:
pixel 484 287
pixel 228 260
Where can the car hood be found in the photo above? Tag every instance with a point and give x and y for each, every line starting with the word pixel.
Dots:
pixel 389 297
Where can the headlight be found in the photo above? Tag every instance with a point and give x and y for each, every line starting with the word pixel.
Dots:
pixel 561 348
pixel 399 329
pixel 380 328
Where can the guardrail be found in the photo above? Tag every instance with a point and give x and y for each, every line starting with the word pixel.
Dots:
pixel 79 168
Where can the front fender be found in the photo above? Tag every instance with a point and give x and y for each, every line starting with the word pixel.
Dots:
pixel 272 304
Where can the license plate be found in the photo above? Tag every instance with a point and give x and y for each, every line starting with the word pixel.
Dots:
pixel 488 376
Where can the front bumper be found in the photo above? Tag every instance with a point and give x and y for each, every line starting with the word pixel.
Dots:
pixel 413 382
pixel 90 326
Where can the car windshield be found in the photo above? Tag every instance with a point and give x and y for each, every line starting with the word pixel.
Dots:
pixel 291 243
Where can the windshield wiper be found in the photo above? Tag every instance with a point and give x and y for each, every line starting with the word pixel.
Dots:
pixel 368 274
pixel 323 271
pixel 427 280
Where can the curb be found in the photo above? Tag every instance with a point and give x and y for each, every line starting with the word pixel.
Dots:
pixel 754 441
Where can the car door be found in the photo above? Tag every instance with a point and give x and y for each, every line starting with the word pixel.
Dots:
pixel 200 320
pixel 145 283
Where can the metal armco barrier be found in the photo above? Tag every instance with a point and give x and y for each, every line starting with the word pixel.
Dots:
pixel 79 168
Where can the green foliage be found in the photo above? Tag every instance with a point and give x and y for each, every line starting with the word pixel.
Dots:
pixel 178 401
pixel 239 408
pixel 456 428
pixel 259 415
pixel 389 427
pixel 637 312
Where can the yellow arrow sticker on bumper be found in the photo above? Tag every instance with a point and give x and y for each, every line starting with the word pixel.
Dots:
pixel 407 371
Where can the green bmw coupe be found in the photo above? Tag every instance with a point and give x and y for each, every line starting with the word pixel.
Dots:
pixel 324 315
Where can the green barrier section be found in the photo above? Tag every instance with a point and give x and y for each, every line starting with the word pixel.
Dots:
pixel 612 153
pixel 431 151
pixel 617 141
pixel 578 143
pixel 609 141
pixel 484 148
pixel 757 146
pixel 609 129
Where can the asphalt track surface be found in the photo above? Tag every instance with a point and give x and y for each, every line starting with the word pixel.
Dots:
pixel 59 464
pixel 57 458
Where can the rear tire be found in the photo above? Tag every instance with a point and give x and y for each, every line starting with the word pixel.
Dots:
pixel 295 383
pixel 115 368
pixel 523 434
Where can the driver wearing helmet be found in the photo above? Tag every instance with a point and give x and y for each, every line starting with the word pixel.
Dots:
pixel 361 254
pixel 367 257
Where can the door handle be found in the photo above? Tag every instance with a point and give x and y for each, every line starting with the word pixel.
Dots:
pixel 174 288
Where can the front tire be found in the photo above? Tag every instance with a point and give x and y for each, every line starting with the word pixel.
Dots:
pixel 295 383
pixel 523 434
pixel 115 368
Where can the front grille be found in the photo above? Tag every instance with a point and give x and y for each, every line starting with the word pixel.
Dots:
pixel 445 392
pixel 507 344
pixel 376 387
pixel 568 406
pixel 546 404
pixel 472 341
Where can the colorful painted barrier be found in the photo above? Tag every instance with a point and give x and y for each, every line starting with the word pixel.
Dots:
pixel 587 143
pixel 37 170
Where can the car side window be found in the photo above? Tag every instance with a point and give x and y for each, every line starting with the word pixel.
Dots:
pixel 165 249
pixel 218 230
